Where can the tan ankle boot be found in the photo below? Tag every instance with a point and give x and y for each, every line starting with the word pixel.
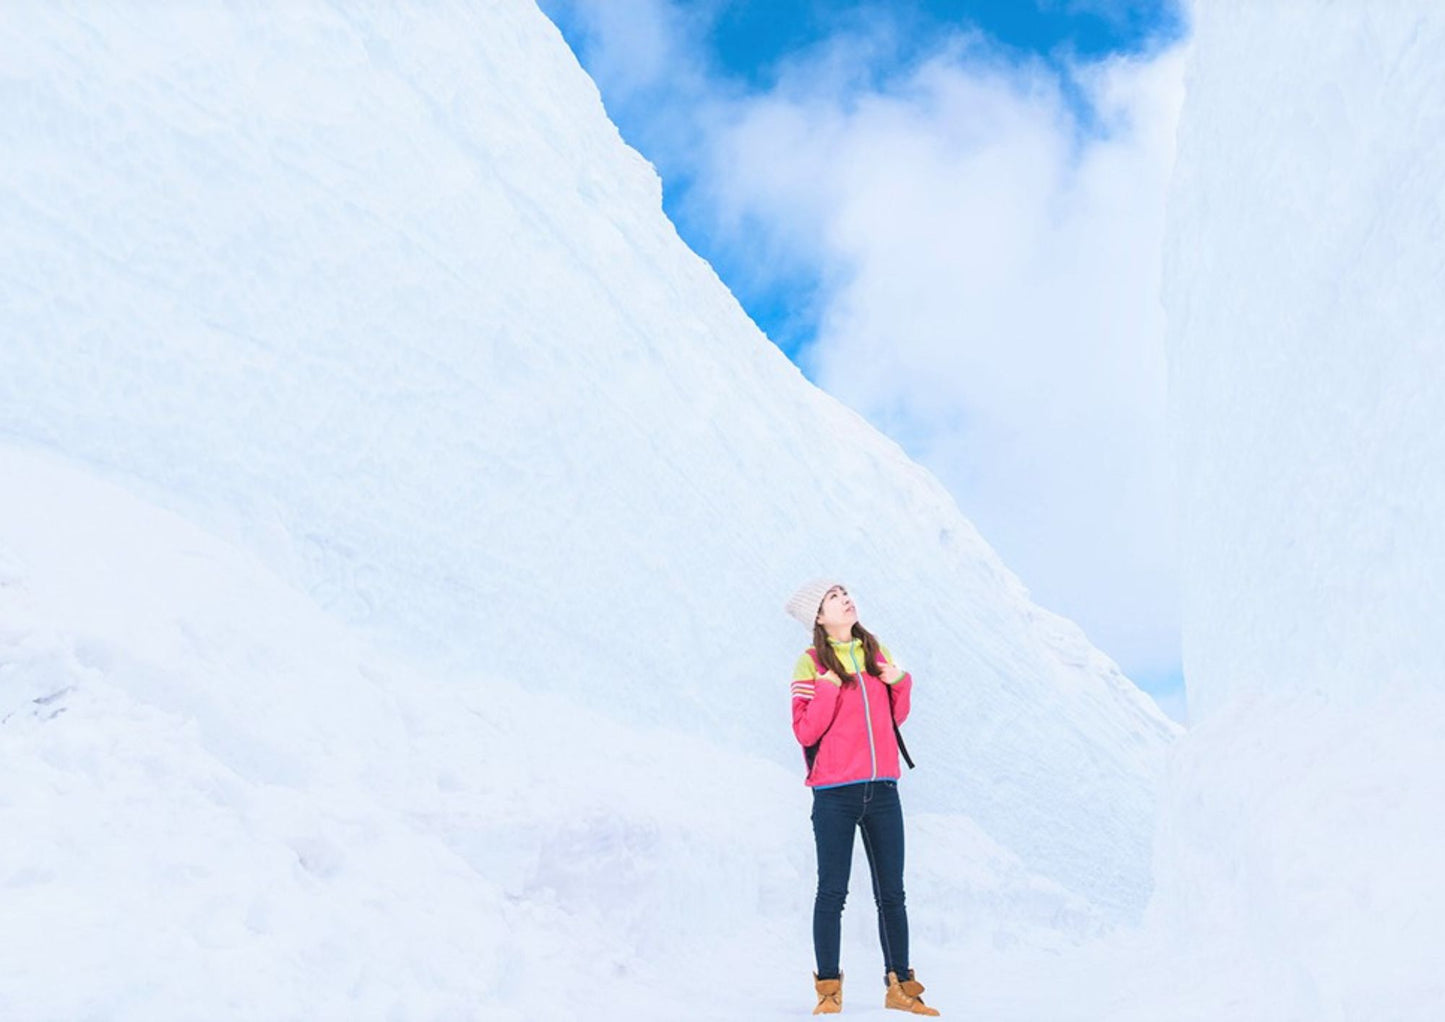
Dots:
pixel 830 995
pixel 905 996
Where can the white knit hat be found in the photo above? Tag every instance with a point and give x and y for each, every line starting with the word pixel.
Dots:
pixel 803 605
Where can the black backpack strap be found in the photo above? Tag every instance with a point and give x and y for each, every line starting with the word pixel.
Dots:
pixel 902 749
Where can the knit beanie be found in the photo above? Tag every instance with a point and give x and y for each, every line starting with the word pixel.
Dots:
pixel 803 605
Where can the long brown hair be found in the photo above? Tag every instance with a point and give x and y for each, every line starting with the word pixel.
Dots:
pixel 830 659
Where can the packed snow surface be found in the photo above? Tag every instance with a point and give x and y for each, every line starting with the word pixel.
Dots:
pixel 1306 288
pixel 220 802
pixel 396 521
pixel 1301 833
pixel 396 518
pixel 379 296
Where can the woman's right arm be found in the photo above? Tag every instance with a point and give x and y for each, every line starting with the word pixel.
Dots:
pixel 815 697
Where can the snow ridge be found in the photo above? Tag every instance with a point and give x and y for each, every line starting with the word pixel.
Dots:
pixel 380 296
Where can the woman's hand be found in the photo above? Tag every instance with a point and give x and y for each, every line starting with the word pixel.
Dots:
pixel 831 678
pixel 891 674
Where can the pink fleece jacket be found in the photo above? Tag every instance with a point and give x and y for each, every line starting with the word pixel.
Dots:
pixel 855 724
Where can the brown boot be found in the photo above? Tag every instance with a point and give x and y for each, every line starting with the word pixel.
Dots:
pixel 830 995
pixel 905 995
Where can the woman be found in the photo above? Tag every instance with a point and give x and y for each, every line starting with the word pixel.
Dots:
pixel 847 695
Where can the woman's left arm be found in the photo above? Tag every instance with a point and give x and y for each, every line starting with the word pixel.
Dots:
pixel 900 686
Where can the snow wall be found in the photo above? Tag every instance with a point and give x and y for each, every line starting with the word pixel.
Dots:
pixel 1305 290
pixel 381 299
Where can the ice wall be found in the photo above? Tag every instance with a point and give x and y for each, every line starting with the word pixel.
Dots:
pixel 1306 293
pixel 379 294
pixel 1301 839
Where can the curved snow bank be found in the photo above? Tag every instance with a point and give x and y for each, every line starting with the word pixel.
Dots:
pixel 378 294
pixel 218 802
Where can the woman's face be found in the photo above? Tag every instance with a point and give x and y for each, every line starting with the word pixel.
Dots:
pixel 837 610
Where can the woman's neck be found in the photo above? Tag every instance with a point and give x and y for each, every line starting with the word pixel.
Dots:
pixel 846 635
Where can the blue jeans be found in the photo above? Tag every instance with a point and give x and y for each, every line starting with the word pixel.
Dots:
pixel 873 807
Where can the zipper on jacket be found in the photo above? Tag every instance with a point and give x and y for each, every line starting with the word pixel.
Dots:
pixel 867 715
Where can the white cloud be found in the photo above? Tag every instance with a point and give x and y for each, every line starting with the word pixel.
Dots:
pixel 995 308
pixel 990 277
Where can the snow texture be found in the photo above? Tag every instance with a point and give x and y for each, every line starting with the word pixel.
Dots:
pixel 1301 833
pixel 396 518
pixel 380 296
pixel 1306 287
pixel 396 523
pixel 221 803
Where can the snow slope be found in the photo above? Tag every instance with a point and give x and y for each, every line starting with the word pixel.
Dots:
pixel 1301 833
pixel 380 297
pixel 219 802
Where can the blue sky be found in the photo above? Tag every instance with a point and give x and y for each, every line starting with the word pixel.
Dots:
pixel 747 37
pixel 948 213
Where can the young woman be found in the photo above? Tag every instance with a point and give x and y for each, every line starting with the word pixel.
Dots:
pixel 847 695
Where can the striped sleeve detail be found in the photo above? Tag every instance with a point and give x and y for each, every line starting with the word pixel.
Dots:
pixel 805 678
